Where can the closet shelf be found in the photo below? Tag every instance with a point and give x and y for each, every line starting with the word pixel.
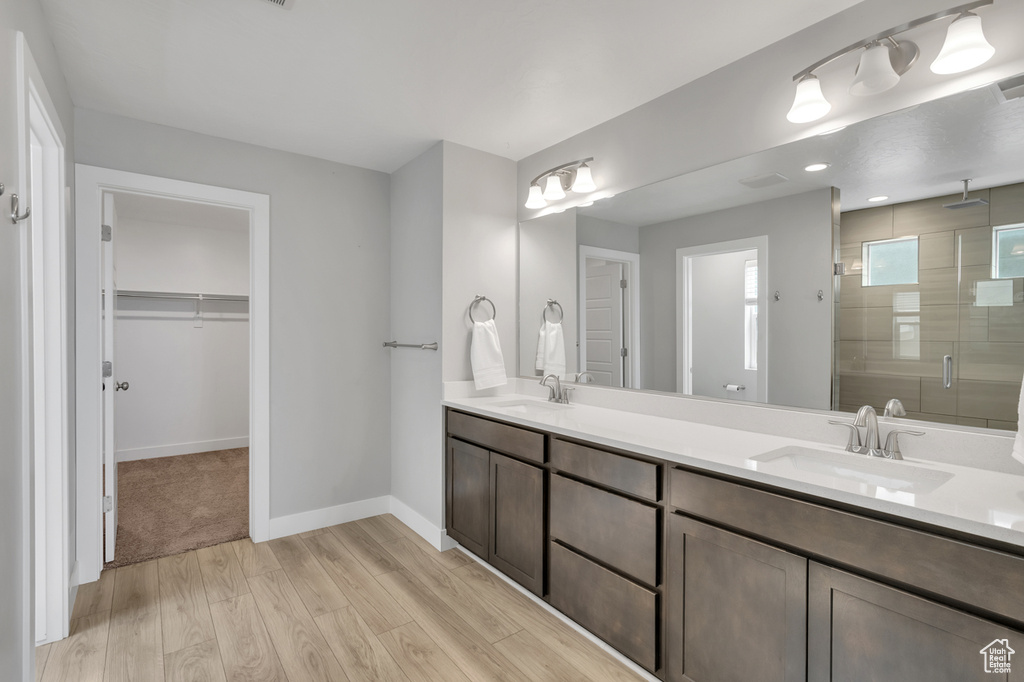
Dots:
pixel 181 296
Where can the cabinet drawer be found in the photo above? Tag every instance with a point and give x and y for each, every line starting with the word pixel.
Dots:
pixel 614 471
pixel 612 529
pixel 615 609
pixel 931 563
pixel 501 437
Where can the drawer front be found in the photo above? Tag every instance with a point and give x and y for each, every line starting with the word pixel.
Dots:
pixel 496 436
pixel 612 529
pixel 614 471
pixel 914 558
pixel 617 610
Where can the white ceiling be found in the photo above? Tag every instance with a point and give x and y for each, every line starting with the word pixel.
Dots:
pixel 374 83
pixel 920 152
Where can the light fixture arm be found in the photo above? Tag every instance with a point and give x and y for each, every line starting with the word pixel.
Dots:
pixel 566 169
pixel 889 33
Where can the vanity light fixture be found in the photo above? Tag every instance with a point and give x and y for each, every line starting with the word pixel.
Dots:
pixel 815 167
pixel 884 60
pixel 574 176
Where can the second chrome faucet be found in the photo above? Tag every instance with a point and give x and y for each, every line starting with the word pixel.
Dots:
pixel 871 445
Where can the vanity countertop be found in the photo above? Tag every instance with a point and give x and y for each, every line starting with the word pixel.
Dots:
pixel 978 502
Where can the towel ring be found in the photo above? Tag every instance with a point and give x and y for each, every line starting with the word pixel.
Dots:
pixel 481 299
pixel 551 304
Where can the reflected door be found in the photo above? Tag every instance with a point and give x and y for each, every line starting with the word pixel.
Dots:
pixel 604 331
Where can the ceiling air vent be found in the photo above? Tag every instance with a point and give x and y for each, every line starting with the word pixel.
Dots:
pixel 284 4
pixel 766 180
pixel 1010 88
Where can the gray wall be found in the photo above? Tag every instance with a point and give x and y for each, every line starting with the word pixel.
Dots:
pixel 479 251
pixel 606 234
pixel 548 263
pixel 16 568
pixel 329 301
pixel 799 263
pixel 417 440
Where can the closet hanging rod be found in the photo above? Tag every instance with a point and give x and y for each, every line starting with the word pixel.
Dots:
pixel 180 296
pixel 421 346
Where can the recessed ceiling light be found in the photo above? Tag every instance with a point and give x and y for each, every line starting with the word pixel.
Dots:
pixel 834 130
pixel 880 197
pixel 815 167
pixel 584 205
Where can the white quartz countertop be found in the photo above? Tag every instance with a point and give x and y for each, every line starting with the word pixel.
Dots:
pixel 979 502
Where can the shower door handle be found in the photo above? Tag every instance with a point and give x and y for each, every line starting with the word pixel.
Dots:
pixel 947 371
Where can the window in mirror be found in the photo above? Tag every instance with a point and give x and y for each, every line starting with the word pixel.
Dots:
pixel 1008 244
pixel 750 314
pixel 890 261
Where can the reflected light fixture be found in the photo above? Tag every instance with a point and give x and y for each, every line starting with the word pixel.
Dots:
pixel 815 167
pixel 880 197
pixel 551 185
pixel 884 60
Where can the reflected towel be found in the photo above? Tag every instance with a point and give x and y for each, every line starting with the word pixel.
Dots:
pixel 485 356
pixel 1018 442
pixel 551 349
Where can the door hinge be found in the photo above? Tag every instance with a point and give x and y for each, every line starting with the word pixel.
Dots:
pixel 839 268
pixel 108 369
pixel 622 284
pixel 106 234
pixel 622 352
pixel 108 504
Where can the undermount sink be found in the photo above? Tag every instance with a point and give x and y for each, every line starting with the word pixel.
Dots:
pixel 528 407
pixel 883 473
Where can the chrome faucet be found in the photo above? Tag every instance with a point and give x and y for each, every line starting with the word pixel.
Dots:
pixel 894 408
pixel 867 418
pixel 555 392
pixel 590 378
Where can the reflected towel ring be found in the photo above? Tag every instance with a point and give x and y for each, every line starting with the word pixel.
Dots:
pixel 552 303
pixel 481 299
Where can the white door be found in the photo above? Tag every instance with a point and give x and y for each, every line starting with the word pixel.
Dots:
pixel 109 313
pixel 604 333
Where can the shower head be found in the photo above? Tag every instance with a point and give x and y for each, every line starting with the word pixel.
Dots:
pixel 965 202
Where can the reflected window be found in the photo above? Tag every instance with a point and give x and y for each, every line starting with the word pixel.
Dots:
pixel 890 261
pixel 750 314
pixel 1008 248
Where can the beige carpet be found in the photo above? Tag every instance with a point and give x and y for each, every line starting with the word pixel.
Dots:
pixel 171 505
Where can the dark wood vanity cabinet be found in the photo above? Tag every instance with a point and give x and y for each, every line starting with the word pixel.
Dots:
pixel 494 502
pixel 859 629
pixel 698 577
pixel 737 608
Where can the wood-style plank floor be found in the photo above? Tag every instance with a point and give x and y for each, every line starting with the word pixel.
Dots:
pixel 367 600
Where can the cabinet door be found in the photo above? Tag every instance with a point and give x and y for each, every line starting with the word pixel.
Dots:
pixel 517 521
pixel 737 608
pixel 468 492
pixel 863 630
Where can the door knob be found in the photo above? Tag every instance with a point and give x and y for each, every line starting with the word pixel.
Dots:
pixel 122 386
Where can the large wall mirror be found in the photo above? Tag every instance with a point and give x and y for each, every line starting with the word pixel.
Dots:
pixel 721 282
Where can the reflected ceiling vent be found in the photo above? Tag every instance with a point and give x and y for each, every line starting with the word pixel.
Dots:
pixel 1010 88
pixel 283 4
pixel 766 180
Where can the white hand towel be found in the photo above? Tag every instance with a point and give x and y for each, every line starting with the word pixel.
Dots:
pixel 542 339
pixel 1018 442
pixel 485 356
pixel 551 355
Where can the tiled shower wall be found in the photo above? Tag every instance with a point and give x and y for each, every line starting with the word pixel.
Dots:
pixel 987 343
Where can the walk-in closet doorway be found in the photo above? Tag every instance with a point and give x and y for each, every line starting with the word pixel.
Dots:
pixel 171 305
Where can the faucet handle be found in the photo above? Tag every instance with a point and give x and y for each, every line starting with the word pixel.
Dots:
pixel 894 408
pixel 892 443
pixel 853 444
pixel 566 390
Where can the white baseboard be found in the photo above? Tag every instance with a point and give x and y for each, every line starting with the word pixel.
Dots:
pixel 282 526
pixel 182 448
pixel 424 528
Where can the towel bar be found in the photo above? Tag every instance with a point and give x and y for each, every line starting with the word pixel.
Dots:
pixel 551 304
pixel 421 346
